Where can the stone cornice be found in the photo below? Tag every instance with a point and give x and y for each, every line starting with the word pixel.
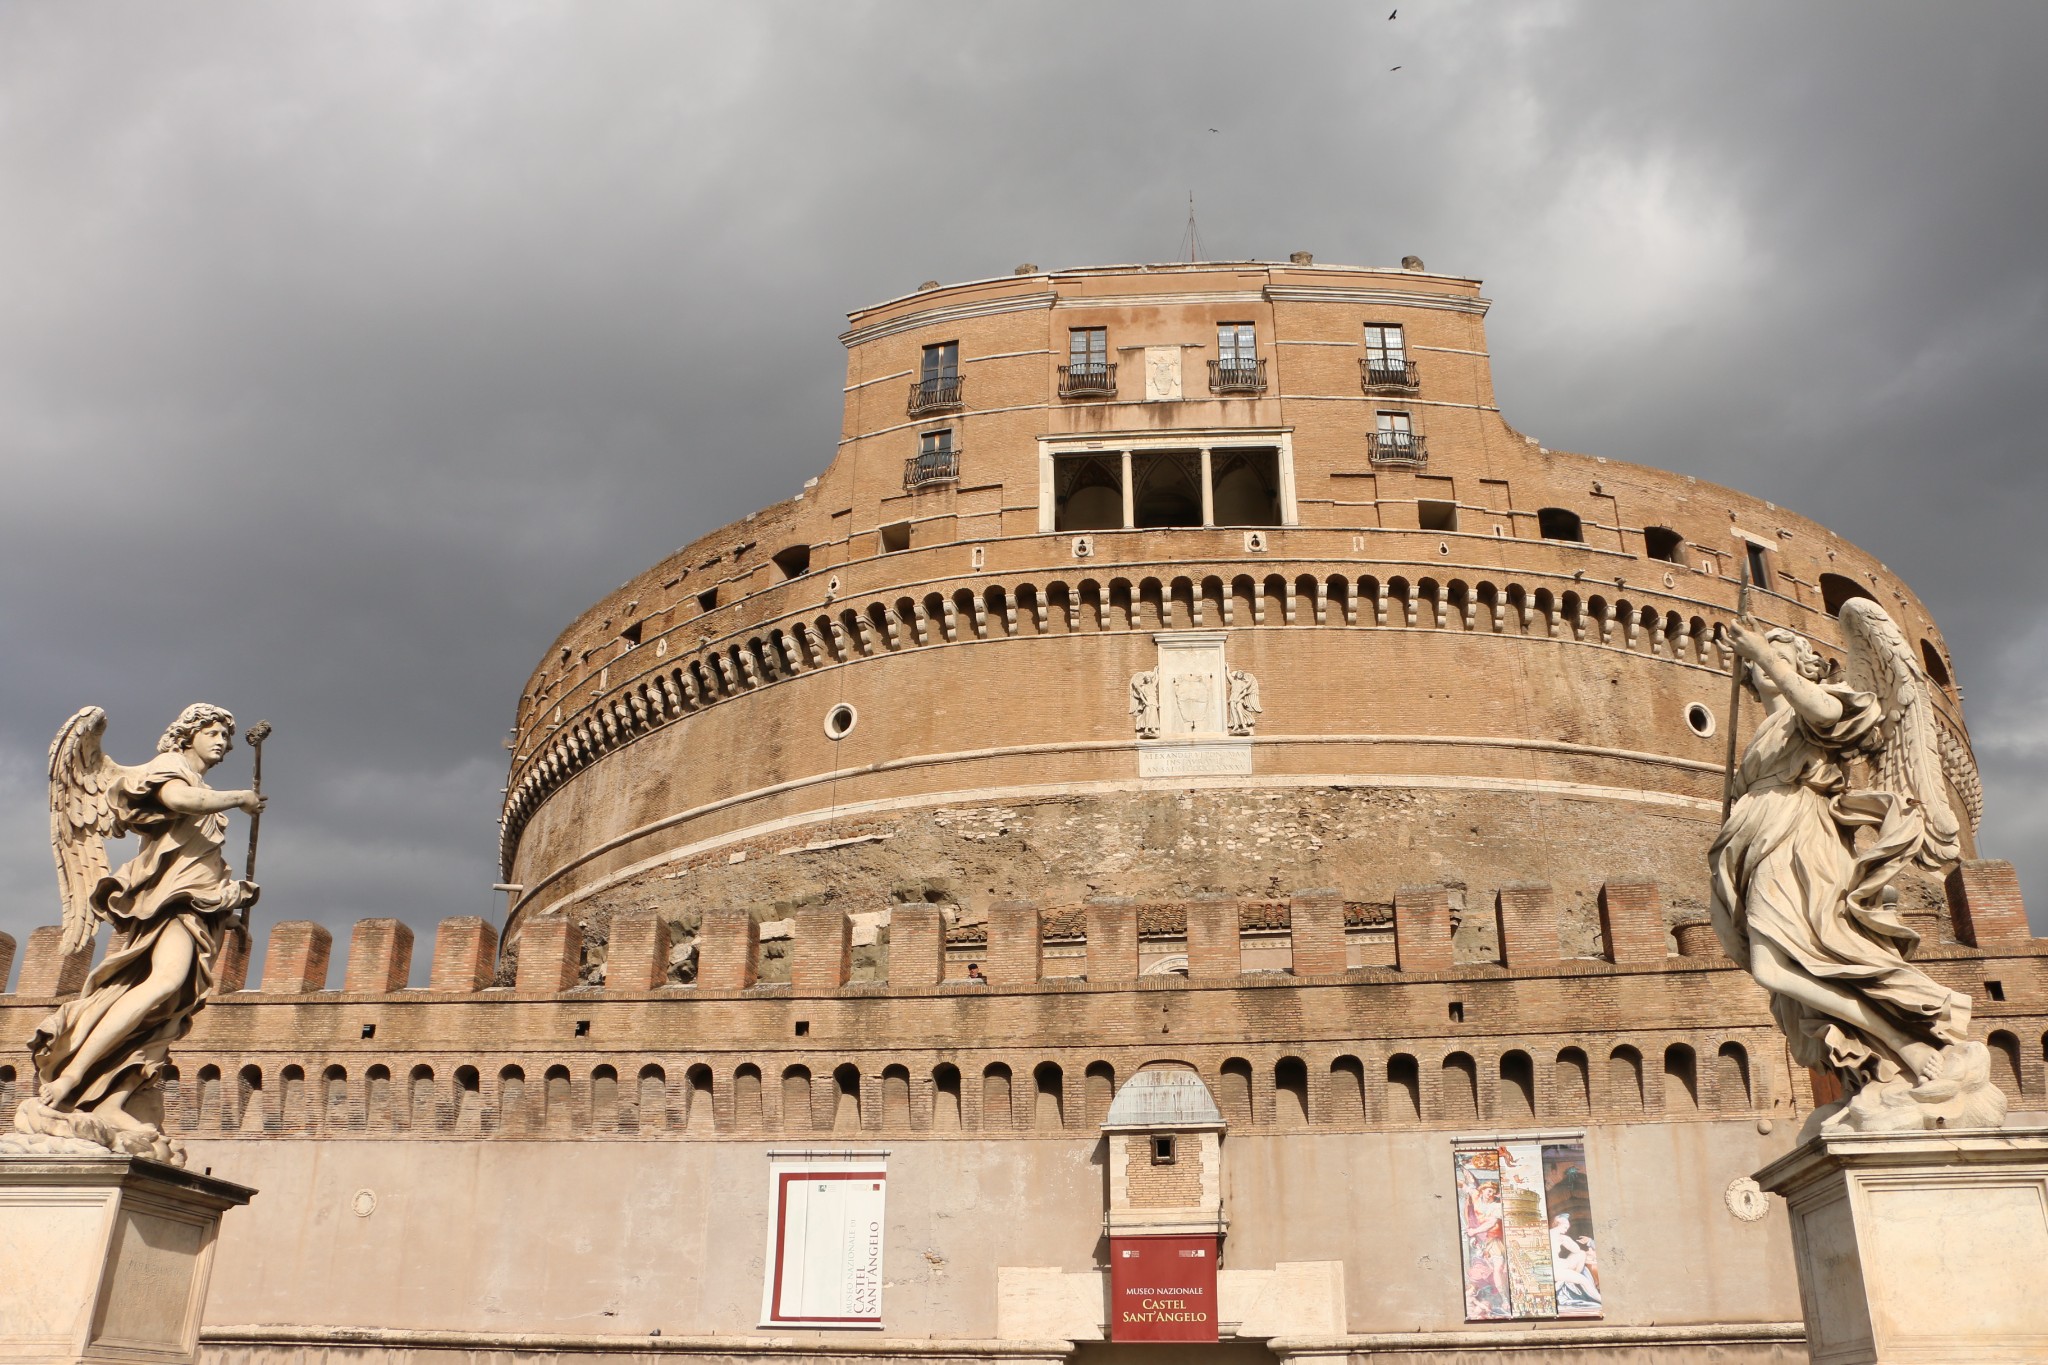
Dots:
pixel 952 312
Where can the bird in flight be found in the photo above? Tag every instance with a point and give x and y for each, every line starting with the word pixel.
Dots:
pixel 1214 130
pixel 1395 15
pixel 1393 68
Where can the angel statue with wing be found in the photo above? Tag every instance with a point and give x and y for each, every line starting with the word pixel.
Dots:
pixel 98 1058
pixel 1803 871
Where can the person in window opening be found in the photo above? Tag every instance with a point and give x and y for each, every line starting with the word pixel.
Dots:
pixel 974 974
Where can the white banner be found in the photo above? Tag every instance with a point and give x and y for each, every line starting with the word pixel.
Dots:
pixel 825 1239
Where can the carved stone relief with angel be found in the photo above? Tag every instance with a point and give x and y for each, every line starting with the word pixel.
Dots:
pixel 99 1057
pixel 1841 790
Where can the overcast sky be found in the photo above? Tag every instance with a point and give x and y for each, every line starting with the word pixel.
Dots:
pixel 347 351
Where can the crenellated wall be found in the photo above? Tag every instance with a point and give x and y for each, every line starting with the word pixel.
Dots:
pixel 1414 1015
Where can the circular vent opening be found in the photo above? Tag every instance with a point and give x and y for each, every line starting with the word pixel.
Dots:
pixel 840 720
pixel 1699 719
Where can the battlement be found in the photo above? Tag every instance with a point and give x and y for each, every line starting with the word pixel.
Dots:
pixel 1433 1011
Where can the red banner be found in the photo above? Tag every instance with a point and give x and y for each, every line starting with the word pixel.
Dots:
pixel 1162 1288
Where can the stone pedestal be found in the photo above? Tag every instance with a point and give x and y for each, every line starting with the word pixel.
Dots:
pixel 1922 1247
pixel 105 1258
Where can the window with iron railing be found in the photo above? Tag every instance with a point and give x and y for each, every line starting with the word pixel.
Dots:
pixel 936 461
pixel 1386 366
pixel 1237 367
pixel 1088 372
pixel 1395 441
pixel 937 387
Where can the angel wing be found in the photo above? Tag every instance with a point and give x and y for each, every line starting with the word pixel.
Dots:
pixel 82 815
pixel 1908 759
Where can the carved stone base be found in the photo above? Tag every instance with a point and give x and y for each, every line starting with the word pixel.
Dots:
pixel 1922 1247
pixel 105 1258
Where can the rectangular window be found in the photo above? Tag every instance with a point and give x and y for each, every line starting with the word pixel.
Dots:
pixel 1395 431
pixel 1759 565
pixel 1087 348
pixel 1236 345
pixel 1162 1149
pixel 935 442
pixel 940 362
pixel 1384 347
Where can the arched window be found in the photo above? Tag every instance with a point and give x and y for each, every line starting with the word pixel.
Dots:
pixel 1404 1089
pixel 512 1116
pixel 896 1098
pixel 334 1098
pixel 1101 1087
pixel 469 1099
pixel 995 1097
pixel 1936 668
pixel 1835 590
pixel 292 1098
pixel 1731 1079
pixel 7 1083
pixel 746 1099
pixel 2005 1063
pixel 376 1095
pixel 1347 1092
pixel 1681 1080
pixel 249 1100
pixel 1625 1080
pixel 1571 1093
pixel 1661 542
pixel 651 1103
pixel 1236 1094
pixel 796 1100
pixel 604 1099
pixel 1290 1092
pixel 1559 523
pixel 420 1107
pixel 558 1115
pixel 1459 1087
pixel 846 1099
pixel 946 1098
pixel 1517 1087
pixel 1048 1110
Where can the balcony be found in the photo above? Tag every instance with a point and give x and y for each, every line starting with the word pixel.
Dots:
pixel 931 468
pixel 941 393
pixel 1237 376
pixel 1088 381
pixel 1387 375
pixel 1399 449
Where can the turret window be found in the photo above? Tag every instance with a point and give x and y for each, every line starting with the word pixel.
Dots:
pixel 1088 372
pixel 938 379
pixel 1386 366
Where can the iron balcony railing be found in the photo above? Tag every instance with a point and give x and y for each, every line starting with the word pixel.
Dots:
pixel 1387 375
pixel 929 467
pixel 1401 449
pixel 940 393
pixel 1088 381
pixel 1237 376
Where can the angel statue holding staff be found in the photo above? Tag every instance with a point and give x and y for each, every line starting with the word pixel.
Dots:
pixel 1802 874
pixel 99 1056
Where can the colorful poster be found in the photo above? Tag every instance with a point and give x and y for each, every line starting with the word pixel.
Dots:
pixel 1487 1294
pixel 1525 1231
pixel 1162 1288
pixel 825 1242
pixel 1575 1261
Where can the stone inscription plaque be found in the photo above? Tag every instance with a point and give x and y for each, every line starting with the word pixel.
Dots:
pixel 1215 758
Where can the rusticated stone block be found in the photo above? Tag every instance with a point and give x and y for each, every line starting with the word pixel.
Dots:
pixel 465 955
pixel 1016 944
pixel 1317 920
pixel 47 971
pixel 1527 918
pixel 917 945
pixel 728 950
pixel 823 953
pixel 1422 928
pixel 295 961
pixel 1213 943
pixel 637 957
pixel 1112 939
pixel 1632 923
pixel 379 957
pixel 550 955
pixel 1984 900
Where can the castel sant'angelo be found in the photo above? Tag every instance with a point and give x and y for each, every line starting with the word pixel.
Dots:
pixel 1187 778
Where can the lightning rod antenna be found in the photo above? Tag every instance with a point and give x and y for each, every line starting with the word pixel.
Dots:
pixel 1191 240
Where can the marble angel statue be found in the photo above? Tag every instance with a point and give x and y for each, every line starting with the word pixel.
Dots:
pixel 1840 790
pixel 98 1058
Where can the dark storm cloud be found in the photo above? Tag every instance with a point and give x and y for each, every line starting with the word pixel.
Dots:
pixel 347 351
